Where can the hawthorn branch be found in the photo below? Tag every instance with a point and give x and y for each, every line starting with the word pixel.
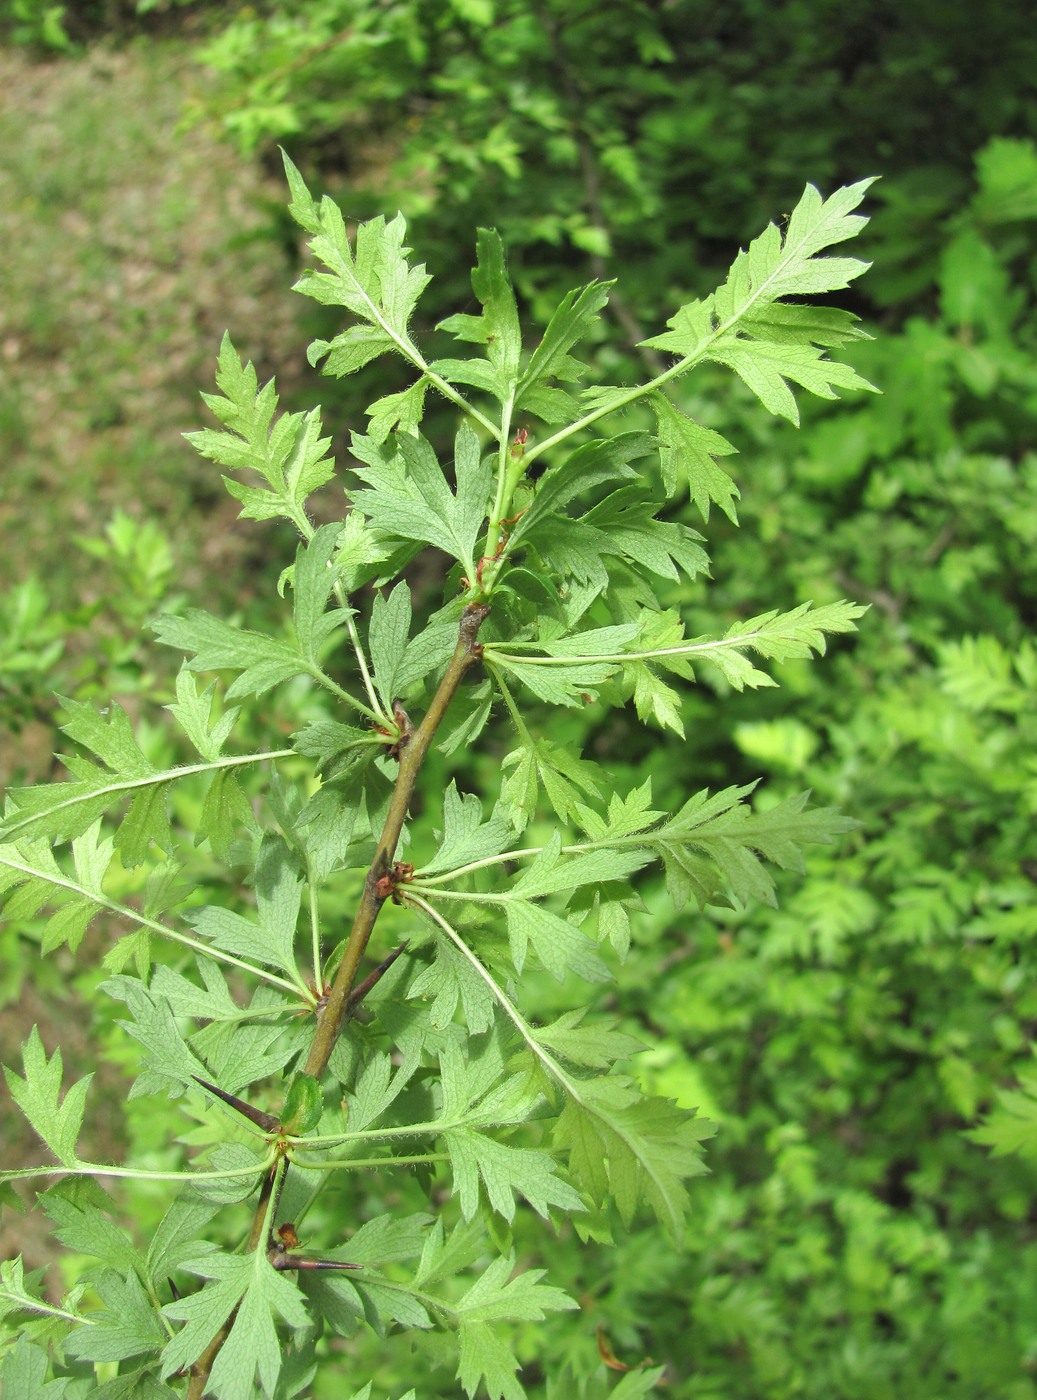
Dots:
pixel 340 999
pixel 412 756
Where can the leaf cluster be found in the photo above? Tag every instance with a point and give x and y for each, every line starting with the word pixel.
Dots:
pixel 297 1062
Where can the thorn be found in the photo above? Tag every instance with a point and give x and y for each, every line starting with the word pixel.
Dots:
pixel 266 1121
pixel 288 1239
pixel 282 1262
pixel 373 978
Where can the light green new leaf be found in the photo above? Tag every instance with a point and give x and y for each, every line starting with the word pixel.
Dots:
pixel 465 837
pixel 496 1297
pixel 631 1149
pixel 376 283
pixel 259 1292
pixel 86 1229
pixel 688 450
pixel 604 459
pixel 766 366
pixel 538 766
pixel 716 842
pixel 387 639
pixel 504 1170
pixel 498 326
pixel 408 496
pixel 192 711
pixel 594 1046
pixel 398 413
pixel 560 946
pixel 450 979
pixel 217 645
pixel 573 317
pixel 777 636
pixel 743 325
pixel 313 579
pixel 109 735
pixel 551 872
pixel 167 1055
pixel 625 816
pixel 358 549
pixel 554 676
pixel 289 454
pixel 1011 1126
pixel 145 823
pixel 38 1095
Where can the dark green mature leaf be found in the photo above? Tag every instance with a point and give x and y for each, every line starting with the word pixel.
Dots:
pixel 259 1293
pixel 128 1325
pixel 408 497
pixel 24 1374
